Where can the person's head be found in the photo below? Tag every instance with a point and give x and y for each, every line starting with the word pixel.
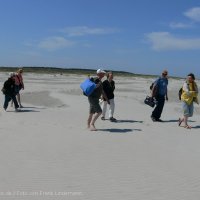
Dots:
pixel 191 77
pixel 110 75
pixel 165 73
pixel 20 71
pixel 11 75
pixel 100 73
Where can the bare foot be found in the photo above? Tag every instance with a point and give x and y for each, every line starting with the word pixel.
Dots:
pixel 187 127
pixel 92 128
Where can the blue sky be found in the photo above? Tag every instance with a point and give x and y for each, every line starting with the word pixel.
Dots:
pixel 139 36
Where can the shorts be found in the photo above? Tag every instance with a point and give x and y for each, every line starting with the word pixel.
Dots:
pixel 94 105
pixel 188 109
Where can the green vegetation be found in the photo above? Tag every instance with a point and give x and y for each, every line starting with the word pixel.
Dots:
pixel 64 71
pixel 55 70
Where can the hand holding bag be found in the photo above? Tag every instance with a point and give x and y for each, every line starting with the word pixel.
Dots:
pixel 149 101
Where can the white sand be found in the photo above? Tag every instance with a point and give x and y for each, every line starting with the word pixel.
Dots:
pixel 46 152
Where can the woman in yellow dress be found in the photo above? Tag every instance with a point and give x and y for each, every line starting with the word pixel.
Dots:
pixel 189 95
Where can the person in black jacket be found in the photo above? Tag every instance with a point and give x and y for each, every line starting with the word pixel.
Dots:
pixel 9 91
pixel 108 87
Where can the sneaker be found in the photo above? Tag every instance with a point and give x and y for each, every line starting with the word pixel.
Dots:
pixel 21 106
pixel 153 119
pixel 102 118
pixel 112 119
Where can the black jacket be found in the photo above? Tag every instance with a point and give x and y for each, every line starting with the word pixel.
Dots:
pixel 109 88
pixel 9 87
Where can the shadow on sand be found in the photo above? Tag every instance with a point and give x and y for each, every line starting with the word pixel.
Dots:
pixel 20 111
pixel 119 130
pixel 127 121
pixel 23 111
pixel 196 127
pixel 175 120
pixel 33 107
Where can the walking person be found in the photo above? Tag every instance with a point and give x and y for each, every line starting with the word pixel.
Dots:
pixel 19 84
pixel 188 96
pixel 159 92
pixel 108 87
pixel 95 109
pixel 9 91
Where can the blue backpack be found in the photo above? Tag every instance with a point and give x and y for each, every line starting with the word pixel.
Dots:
pixel 88 86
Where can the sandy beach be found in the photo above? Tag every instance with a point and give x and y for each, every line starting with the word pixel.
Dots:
pixel 47 152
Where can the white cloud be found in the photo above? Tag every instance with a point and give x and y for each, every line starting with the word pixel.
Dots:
pixel 84 30
pixel 55 43
pixel 179 25
pixel 162 41
pixel 193 13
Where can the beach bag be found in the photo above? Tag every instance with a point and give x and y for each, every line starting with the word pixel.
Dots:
pixel 149 101
pixel 87 86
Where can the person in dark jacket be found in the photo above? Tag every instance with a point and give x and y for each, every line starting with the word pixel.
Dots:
pixel 108 87
pixel 9 91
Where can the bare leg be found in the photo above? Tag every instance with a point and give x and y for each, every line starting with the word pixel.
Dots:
pixel 89 120
pixel 94 118
pixel 186 122
pixel 19 100
pixel 180 120
pixel 11 103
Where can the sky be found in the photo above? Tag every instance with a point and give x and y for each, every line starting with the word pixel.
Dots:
pixel 139 36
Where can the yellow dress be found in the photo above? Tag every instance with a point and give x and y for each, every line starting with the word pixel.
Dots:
pixel 190 93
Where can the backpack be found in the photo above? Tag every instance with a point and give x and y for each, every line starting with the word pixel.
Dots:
pixel 151 86
pixel 155 91
pixel 87 86
pixel 180 93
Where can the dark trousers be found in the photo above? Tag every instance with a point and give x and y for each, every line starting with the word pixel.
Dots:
pixel 8 99
pixel 159 107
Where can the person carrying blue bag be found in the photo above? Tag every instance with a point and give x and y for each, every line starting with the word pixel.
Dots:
pixel 95 109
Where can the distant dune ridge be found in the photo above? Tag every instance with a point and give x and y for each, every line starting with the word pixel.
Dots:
pixel 72 71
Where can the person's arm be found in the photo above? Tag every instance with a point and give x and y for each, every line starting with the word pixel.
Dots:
pixel 105 96
pixel 166 96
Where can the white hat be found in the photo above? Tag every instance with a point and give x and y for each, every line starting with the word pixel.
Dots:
pixel 100 71
pixel 11 74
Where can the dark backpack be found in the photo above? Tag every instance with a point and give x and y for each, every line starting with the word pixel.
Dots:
pixel 151 86
pixel 180 93
pixel 155 89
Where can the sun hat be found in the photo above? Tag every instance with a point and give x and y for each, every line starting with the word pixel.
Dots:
pixel 11 74
pixel 100 71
